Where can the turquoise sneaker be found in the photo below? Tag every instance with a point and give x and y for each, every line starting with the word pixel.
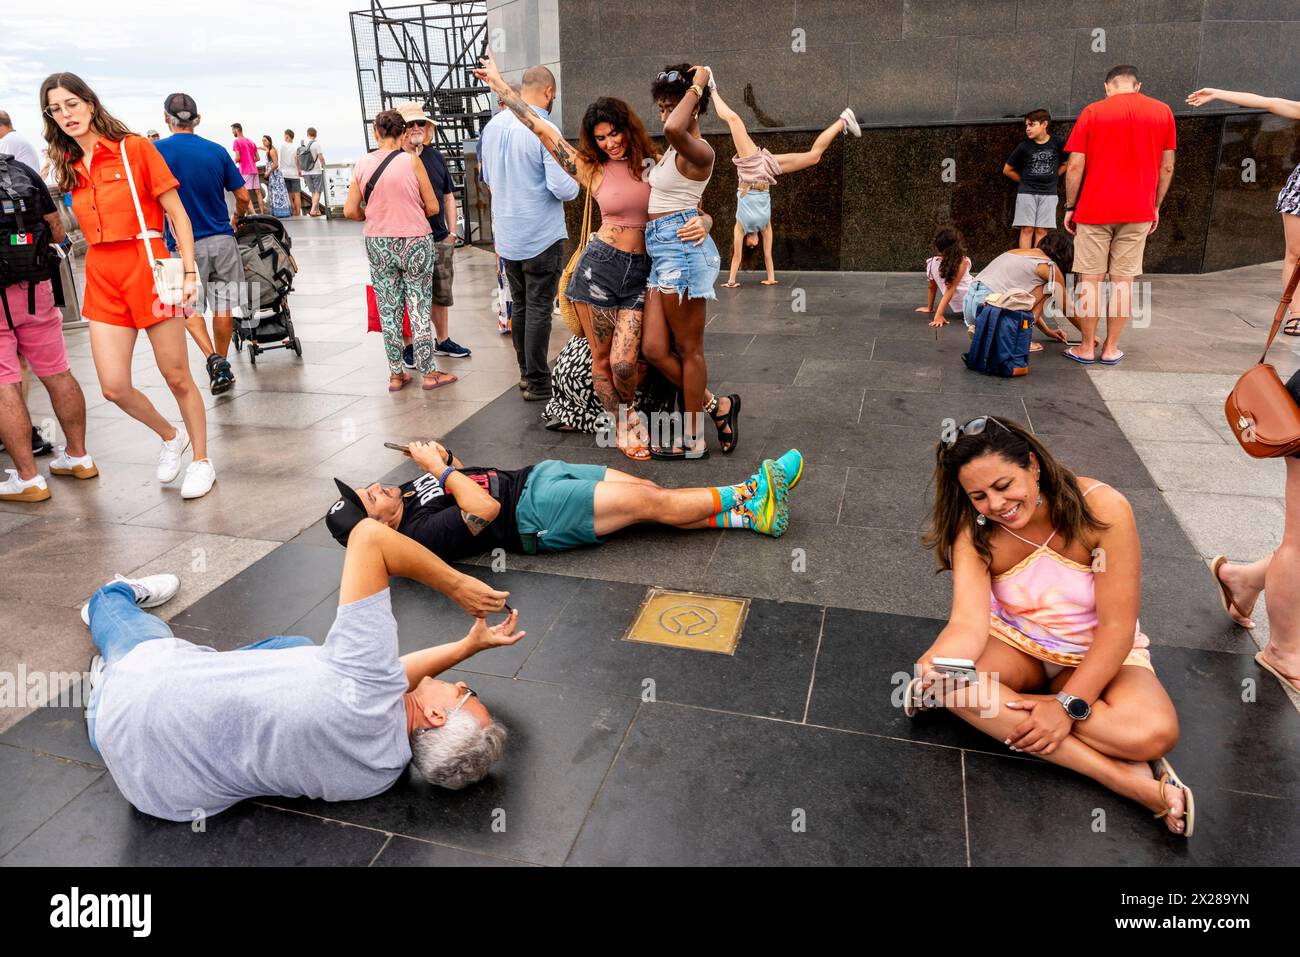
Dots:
pixel 766 509
pixel 792 465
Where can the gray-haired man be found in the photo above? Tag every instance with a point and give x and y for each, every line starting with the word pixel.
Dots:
pixel 187 731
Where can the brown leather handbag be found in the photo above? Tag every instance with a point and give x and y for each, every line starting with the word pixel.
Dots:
pixel 1260 410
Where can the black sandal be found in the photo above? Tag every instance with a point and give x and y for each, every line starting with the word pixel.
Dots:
pixel 677 453
pixel 1291 327
pixel 727 440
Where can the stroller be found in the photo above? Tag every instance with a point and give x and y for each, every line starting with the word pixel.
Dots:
pixel 269 268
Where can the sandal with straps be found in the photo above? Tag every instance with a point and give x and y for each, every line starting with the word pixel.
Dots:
pixel 730 423
pixel 1291 327
pixel 1168 775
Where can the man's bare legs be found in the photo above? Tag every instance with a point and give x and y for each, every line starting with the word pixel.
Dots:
pixel 622 500
pixel 223 330
pixel 1118 307
pixel 1088 314
pixel 1030 236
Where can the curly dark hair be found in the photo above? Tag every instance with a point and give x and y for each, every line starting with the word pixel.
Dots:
pixel 623 118
pixel 951 247
pixel 665 89
pixel 389 124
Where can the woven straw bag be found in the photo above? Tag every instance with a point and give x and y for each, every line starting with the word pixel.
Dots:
pixel 568 311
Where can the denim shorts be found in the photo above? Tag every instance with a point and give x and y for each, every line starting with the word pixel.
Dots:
pixel 753 210
pixel 609 277
pixel 557 508
pixel 679 266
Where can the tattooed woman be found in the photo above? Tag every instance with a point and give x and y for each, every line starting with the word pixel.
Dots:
pixel 609 285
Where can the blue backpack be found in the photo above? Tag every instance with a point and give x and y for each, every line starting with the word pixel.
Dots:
pixel 1000 345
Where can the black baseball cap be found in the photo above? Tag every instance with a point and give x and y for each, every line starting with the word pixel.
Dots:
pixel 181 106
pixel 344 514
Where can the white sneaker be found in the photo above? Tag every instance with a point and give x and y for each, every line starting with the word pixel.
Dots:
pixel 198 479
pixel 150 591
pixel 169 459
pixel 82 467
pixel 15 489
pixel 851 122
pixel 96 675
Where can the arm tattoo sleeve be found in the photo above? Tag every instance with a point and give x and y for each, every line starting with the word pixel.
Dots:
pixel 515 104
pixel 475 523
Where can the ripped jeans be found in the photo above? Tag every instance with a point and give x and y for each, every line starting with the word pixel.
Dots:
pixel 609 278
pixel 679 266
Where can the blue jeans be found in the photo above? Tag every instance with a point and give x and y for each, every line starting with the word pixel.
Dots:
pixel 678 266
pixel 118 624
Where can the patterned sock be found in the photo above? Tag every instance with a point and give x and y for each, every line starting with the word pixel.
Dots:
pixel 733 518
pixel 727 497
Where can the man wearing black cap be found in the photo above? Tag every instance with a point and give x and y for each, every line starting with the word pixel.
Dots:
pixel 206 172
pixel 457 512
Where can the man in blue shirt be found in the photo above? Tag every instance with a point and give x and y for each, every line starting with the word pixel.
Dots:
pixel 418 141
pixel 206 172
pixel 529 190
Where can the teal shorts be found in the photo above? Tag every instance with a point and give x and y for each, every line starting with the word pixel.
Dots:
pixel 557 510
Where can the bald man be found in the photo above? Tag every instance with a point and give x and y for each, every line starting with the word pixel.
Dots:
pixel 529 190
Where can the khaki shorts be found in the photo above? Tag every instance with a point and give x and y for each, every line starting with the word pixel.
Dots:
pixel 443 270
pixel 1113 249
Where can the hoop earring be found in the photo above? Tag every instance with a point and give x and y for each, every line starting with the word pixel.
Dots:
pixel 981 519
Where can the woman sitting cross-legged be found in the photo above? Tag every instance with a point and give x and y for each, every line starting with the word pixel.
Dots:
pixel 1046 582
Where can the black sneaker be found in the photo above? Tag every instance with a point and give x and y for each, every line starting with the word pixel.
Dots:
pixel 450 347
pixel 221 377
pixel 39 445
pixel 408 356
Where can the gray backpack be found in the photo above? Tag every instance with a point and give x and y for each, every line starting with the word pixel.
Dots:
pixel 306 158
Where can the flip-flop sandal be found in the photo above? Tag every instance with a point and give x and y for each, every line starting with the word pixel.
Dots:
pixel 769 282
pixel 1291 327
pixel 1165 772
pixel 731 285
pixel 1079 359
pixel 1288 681
pixel 676 454
pixel 1035 347
pixel 556 425
pixel 1225 594
pixel 448 379
pixel 911 705
pixel 1111 362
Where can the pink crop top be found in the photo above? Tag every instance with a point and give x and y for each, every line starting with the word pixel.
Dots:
pixel 623 200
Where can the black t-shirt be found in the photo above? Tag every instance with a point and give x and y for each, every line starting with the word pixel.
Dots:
pixel 435 164
pixel 1038 164
pixel 432 517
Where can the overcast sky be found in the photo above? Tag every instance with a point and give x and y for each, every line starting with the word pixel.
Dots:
pixel 267 65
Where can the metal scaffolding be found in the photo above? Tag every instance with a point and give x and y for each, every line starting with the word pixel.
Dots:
pixel 425 52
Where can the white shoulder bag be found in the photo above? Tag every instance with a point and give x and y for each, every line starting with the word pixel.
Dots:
pixel 169 273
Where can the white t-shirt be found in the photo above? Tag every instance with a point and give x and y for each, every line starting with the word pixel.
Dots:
pixel 288 153
pixel 18 147
pixel 316 151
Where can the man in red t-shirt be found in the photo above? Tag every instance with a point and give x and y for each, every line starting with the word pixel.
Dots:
pixel 1122 153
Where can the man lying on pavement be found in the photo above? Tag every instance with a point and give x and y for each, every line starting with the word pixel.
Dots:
pixel 187 731
pixel 457 512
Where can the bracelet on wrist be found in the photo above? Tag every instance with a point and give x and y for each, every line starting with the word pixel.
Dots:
pixel 442 479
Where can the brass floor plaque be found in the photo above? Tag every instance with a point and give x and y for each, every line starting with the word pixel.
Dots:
pixel 685 619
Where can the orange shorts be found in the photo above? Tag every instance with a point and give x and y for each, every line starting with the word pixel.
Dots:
pixel 119 285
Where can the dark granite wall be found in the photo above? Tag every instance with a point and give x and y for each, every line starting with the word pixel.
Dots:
pixel 931 79
pixel 874 203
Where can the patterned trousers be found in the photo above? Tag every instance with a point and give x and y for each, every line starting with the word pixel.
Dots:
pixel 401 270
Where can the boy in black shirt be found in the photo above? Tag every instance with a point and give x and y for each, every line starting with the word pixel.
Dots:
pixel 457 512
pixel 1036 164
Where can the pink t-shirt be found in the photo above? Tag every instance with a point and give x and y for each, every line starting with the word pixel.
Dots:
pixel 247 151
pixel 959 294
pixel 395 207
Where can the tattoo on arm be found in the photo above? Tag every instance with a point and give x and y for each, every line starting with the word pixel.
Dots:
pixel 475 523
pixel 555 144
pixel 515 104
pixel 566 156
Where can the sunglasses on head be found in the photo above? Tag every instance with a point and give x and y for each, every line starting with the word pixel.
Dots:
pixel 672 76
pixel 974 427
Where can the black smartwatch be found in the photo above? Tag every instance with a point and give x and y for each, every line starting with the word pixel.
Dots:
pixel 1076 708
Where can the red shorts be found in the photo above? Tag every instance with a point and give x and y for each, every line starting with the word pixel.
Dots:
pixel 119 285
pixel 37 337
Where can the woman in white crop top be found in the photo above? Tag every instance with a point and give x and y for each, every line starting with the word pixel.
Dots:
pixel 682 274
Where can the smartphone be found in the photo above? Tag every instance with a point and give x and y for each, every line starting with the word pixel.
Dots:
pixel 962 668
pixel 395 447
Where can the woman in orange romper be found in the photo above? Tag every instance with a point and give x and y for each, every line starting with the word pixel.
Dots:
pixel 86 146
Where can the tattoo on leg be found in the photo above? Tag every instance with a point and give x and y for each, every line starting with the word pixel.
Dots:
pixel 602 323
pixel 605 392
